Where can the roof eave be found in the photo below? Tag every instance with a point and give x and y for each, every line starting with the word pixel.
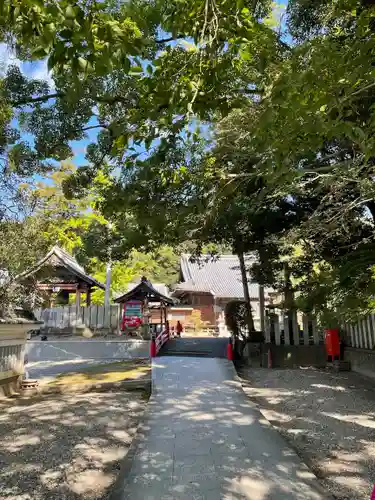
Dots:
pixel 126 296
pixel 88 279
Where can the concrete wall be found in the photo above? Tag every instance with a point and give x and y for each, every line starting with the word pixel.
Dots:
pixel 291 356
pixel 361 360
pixel 62 350
pixel 12 345
pixel 10 386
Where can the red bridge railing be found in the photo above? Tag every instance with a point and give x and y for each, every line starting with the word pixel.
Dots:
pixel 157 341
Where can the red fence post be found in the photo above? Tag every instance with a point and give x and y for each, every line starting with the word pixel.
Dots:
pixel 230 350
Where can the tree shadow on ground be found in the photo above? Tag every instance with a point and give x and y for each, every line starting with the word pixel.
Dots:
pixel 65 446
pixel 328 418
pixel 203 439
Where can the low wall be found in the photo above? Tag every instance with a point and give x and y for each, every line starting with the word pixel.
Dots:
pixel 362 360
pixel 10 386
pixel 63 350
pixel 12 346
pixel 293 356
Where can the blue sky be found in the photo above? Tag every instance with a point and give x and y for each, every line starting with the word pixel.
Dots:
pixel 38 70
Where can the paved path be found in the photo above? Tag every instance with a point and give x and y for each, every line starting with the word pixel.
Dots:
pixel 203 439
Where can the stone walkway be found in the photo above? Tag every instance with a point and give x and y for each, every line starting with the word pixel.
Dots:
pixel 202 438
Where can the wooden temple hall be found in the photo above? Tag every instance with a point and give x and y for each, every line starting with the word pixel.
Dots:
pixel 58 275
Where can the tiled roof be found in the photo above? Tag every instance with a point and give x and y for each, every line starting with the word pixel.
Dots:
pixel 145 289
pixel 160 287
pixel 62 258
pixel 220 275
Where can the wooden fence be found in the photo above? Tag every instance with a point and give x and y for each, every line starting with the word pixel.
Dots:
pixel 361 334
pixel 305 332
pixel 292 331
pixel 70 319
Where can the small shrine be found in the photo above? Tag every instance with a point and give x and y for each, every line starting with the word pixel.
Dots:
pixel 57 275
pixel 138 303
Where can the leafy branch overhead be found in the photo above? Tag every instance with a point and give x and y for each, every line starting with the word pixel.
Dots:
pixel 233 123
pixel 113 65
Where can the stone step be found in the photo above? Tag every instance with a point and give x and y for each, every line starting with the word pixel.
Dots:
pixel 339 366
pixel 199 347
pixel 169 352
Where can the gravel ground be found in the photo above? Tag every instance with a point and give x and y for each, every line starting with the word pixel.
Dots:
pixel 329 419
pixel 65 447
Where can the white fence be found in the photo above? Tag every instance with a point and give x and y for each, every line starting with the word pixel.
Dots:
pixel 303 331
pixel 68 319
pixel 361 334
pixel 292 331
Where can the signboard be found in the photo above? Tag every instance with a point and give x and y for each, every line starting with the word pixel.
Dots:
pixel 132 314
pixel 133 308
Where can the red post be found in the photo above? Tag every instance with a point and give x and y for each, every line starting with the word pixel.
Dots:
pixel 332 342
pixel 230 350
pixel 373 494
pixel 153 349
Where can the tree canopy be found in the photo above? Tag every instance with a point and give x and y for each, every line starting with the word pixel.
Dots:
pixel 217 122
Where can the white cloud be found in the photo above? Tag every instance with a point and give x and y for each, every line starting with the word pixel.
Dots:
pixel 7 58
pixel 36 69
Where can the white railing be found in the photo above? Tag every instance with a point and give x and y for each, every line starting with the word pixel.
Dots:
pixel 161 339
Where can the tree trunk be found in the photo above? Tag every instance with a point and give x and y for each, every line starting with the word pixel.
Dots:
pixel 261 308
pixel 245 284
pixel 289 304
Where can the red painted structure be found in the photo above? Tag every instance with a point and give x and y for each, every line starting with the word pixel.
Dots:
pixel 332 342
pixel 158 342
pixel 230 350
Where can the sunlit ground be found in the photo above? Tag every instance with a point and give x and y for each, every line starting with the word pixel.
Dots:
pixel 104 374
pixel 329 418
pixel 66 446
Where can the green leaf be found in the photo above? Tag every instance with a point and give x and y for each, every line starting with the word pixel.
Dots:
pixel 66 34
pixel 136 69
pixel 69 12
pixel 39 53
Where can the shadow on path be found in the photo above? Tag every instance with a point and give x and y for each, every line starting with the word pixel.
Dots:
pixel 203 439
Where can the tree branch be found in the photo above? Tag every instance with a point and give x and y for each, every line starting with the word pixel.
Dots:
pixel 45 98
pixel 170 39
pixel 319 164
pixel 32 100
pixel 94 126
